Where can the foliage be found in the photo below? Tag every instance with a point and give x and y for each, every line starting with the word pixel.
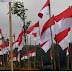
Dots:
pixel 19 10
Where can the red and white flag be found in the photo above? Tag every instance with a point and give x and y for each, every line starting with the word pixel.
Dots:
pixel 32 53
pixel 18 57
pixel 45 9
pixel 15 43
pixel 1 61
pixel 33 30
pixel 20 40
pixel 0 37
pixel 13 37
pixel 64 19
pixel 46 45
pixel 14 57
pixel 51 54
pixel 5 0
pixel 24 57
pixel 68 50
pixel 63 38
pixel 9 59
pixel 1 53
pixel 4 48
pixel 46 33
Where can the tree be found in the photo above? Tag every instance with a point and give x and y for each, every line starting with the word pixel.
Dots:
pixel 19 10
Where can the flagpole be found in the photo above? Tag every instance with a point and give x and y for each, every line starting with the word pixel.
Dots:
pixel 52 40
pixel 10 27
pixel 40 49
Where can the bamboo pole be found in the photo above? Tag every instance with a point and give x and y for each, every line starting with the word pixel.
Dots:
pixel 40 50
pixel 52 48
pixel 10 27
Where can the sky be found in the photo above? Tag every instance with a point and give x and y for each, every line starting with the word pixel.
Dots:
pixel 34 7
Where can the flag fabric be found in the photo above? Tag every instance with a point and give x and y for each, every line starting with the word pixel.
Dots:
pixel 68 50
pixel 13 38
pixel 64 19
pixel 4 48
pixel 32 53
pixel 15 43
pixel 46 45
pixel 14 57
pixel 18 57
pixel 24 57
pixel 45 33
pixel 1 61
pixel 1 53
pixel 5 0
pixel 20 40
pixel 63 38
pixel 33 30
pixel 51 54
pixel 44 10
pixel 9 59
pixel 0 37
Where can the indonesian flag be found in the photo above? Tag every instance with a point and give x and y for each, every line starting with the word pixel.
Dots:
pixel 20 41
pixel 18 57
pixel 5 0
pixel 14 57
pixel 63 38
pixel 0 61
pixel 9 59
pixel 44 10
pixel 4 48
pixel 24 57
pixel 64 19
pixel 51 54
pixel 15 43
pixel 33 30
pixel 46 33
pixel 0 37
pixel 1 53
pixel 68 50
pixel 13 38
pixel 46 45
pixel 32 53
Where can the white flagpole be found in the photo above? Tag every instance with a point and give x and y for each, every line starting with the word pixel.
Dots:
pixel 10 27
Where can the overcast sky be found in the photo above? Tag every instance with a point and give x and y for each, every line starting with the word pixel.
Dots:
pixel 33 6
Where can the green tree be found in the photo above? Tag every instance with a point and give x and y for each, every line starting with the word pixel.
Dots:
pixel 19 10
